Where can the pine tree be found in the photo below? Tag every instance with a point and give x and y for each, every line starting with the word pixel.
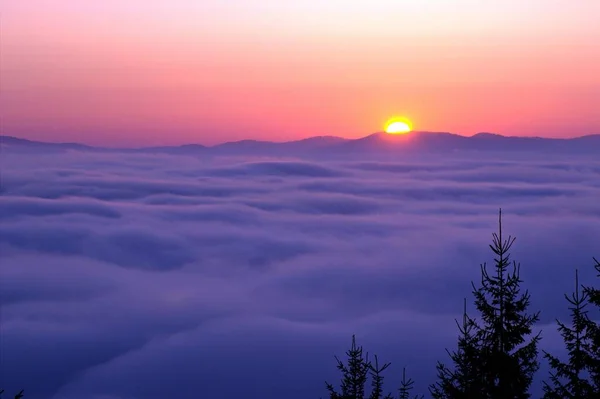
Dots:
pixel 567 380
pixel 377 380
pixel 406 385
pixel 594 333
pixel 464 380
pixel 508 356
pixel 354 374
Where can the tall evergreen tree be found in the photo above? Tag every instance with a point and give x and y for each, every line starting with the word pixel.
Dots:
pixel 464 379
pixel 508 350
pixel 568 379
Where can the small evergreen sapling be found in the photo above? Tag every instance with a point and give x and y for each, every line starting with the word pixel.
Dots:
pixel 406 385
pixel 354 374
pixel 377 380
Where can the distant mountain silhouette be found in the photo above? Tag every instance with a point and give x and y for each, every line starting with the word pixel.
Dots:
pixel 427 142
pixel 482 142
pixel 9 142
pixel 254 146
pixel 181 149
pixel 414 141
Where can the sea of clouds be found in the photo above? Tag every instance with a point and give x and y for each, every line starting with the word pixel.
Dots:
pixel 151 276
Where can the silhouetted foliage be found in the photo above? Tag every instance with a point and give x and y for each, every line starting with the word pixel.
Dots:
pixel 406 386
pixel 356 372
pixel 464 379
pixel 508 362
pixel 17 396
pixel 377 380
pixel 594 333
pixel 567 380
pixel 595 292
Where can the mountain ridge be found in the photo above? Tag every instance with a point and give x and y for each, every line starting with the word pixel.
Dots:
pixel 376 142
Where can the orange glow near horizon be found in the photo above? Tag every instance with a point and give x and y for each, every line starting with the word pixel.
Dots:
pixel 152 72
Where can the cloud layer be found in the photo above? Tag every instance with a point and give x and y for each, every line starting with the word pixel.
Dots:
pixel 143 276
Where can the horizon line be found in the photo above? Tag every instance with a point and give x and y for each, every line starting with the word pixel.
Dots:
pixel 2 136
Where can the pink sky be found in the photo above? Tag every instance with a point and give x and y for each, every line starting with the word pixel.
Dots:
pixel 148 72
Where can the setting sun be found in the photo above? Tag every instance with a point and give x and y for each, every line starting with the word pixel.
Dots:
pixel 396 126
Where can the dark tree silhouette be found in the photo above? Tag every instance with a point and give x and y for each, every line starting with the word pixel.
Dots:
pixel 567 379
pixel 377 380
pixel 406 385
pixel 594 333
pixel 17 396
pixel 464 379
pixel 354 374
pixel 508 351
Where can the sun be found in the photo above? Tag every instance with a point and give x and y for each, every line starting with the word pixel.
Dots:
pixel 398 126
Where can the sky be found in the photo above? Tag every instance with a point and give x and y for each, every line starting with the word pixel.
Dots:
pixel 149 72
pixel 138 275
